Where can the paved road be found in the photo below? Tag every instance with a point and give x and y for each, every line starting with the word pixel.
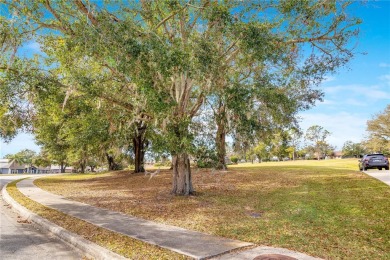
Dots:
pixel 23 241
pixel 383 175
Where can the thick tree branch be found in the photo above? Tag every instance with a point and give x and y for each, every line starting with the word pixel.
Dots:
pixel 56 15
pixel 80 5
pixel 197 105
pixel 170 16
pixel 229 48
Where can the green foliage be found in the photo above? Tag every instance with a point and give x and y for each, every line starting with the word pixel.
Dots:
pixel 25 156
pixel 379 132
pixel 234 159
pixel 351 149
pixel 205 157
pixel 317 136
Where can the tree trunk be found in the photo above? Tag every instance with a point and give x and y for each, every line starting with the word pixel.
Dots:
pixel 110 161
pixel 220 139
pixel 181 175
pixel 139 153
pixel 182 115
pixel 139 146
pixel 83 165
pixel 63 167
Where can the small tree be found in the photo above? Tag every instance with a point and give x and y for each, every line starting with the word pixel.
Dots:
pixel 25 156
pixel 351 149
pixel 261 151
pixel 317 136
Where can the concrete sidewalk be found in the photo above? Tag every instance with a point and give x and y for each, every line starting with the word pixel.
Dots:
pixel 190 243
pixel 186 242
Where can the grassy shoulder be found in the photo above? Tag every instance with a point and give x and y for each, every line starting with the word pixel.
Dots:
pixel 326 209
pixel 123 245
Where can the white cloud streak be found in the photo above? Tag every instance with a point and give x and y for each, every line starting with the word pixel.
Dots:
pixel 374 92
pixel 384 65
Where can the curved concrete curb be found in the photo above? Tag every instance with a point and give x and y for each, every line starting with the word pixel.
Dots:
pixel 89 248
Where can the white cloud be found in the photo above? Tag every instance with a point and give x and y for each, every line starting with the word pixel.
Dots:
pixel 377 94
pixel 340 88
pixel 33 46
pixel 328 79
pixel 386 79
pixel 360 92
pixel 326 102
pixel 384 65
pixel 343 126
pixel 355 102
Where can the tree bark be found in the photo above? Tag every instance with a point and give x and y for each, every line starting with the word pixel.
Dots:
pixel 181 175
pixel 83 164
pixel 220 139
pixel 63 167
pixel 139 146
pixel 110 161
pixel 139 153
pixel 182 115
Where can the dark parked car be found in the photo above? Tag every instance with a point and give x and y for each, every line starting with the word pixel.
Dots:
pixel 376 160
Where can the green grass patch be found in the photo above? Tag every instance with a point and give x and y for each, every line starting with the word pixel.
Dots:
pixel 123 245
pixel 325 208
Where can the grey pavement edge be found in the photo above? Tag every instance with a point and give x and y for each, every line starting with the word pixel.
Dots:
pixel 90 249
pixel 264 250
pixel 174 238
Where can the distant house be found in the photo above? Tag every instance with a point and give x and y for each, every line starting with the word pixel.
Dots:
pixel 8 166
pixel 338 154
pixel 35 169
pixel 57 169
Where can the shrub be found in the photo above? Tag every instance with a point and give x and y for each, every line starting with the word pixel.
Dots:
pixel 234 159
pixel 205 157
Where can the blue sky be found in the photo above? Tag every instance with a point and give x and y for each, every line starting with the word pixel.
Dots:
pixel 359 92
pixel 352 96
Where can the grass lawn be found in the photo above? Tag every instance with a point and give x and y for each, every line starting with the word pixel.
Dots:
pixel 326 208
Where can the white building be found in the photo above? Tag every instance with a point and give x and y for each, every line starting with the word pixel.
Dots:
pixel 9 166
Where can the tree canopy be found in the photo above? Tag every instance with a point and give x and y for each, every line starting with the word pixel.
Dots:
pixel 351 149
pixel 317 136
pixel 145 69
pixel 378 129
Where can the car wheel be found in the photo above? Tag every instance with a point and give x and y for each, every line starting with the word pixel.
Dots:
pixel 380 169
pixel 386 168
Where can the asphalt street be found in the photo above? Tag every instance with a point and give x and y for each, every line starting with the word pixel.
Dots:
pixel 20 240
